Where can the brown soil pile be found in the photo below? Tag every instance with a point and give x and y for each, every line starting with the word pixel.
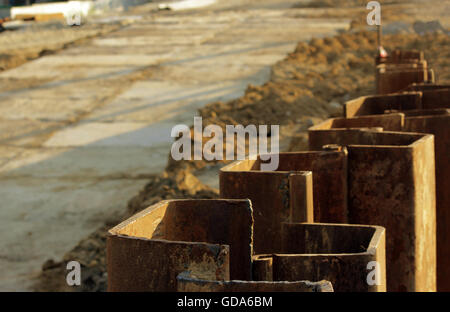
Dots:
pixel 308 86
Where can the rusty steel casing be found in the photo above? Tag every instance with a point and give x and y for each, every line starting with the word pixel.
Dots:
pixel 379 104
pixel 329 174
pixel 439 126
pixel 211 238
pixel 391 182
pixel 392 78
pixel 435 119
pixel 426 86
pixel 428 99
pixel 339 253
pixel 136 265
pixel 391 122
pixel 187 283
pixel 437 98
pixel 276 196
pixel 401 57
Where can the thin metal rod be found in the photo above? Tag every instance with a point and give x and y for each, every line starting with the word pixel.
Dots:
pixel 379 35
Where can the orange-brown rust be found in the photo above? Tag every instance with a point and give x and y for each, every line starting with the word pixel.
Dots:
pixel 391 183
pixel 339 253
pixel 271 196
pixel 187 283
pixel 433 120
pixel 210 238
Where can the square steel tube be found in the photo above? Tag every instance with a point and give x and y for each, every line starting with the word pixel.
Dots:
pixel 211 238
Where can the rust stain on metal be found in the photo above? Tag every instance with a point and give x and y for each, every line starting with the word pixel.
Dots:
pixel 391 183
pixel 270 193
pixel 401 69
pixel 211 238
pixel 188 283
pixel 329 176
pixel 339 253
pixel 379 104
pixel 433 118
pixel 426 99
pixel 402 57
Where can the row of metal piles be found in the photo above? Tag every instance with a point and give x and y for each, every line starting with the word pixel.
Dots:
pixel 367 208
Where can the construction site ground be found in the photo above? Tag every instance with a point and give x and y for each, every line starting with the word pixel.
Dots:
pixel 86 113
